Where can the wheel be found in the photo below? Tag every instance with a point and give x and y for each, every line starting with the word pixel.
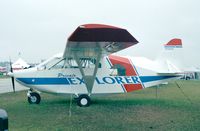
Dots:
pixel 83 100
pixel 34 98
pixel 187 78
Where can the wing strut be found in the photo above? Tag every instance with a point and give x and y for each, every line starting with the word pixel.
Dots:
pixel 89 79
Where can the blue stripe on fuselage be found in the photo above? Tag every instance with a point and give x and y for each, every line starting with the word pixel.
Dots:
pixel 44 81
pixel 65 81
pixel 154 78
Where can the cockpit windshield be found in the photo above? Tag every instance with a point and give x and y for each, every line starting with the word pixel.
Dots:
pixel 49 63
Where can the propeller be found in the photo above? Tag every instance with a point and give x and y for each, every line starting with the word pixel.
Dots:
pixel 12 77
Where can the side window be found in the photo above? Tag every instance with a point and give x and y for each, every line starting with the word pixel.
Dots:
pixel 85 63
pixel 71 63
pixel 58 65
pixel 118 70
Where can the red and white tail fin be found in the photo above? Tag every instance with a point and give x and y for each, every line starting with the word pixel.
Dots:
pixel 174 43
pixel 171 58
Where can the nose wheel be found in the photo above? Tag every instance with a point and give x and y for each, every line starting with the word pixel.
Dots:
pixel 34 98
pixel 83 100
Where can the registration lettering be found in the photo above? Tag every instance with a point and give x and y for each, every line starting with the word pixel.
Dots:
pixel 74 80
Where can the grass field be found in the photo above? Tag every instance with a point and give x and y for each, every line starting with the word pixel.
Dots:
pixel 140 110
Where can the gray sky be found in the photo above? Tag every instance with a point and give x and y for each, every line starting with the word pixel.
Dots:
pixel 40 28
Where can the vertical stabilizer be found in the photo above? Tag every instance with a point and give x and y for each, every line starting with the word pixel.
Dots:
pixel 171 67
pixel 174 43
pixel 171 57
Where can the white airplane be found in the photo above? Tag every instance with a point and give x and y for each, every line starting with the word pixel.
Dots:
pixel 87 67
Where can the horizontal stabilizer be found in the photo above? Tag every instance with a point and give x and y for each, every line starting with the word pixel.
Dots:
pixel 172 75
pixel 170 69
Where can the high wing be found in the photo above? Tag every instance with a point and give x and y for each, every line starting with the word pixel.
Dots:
pixel 90 39
pixel 93 41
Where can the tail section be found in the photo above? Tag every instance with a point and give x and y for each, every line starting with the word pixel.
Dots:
pixel 171 58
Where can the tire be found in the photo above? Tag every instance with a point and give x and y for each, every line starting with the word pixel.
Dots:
pixel 83 100
pixel 187 78
pixel 34 98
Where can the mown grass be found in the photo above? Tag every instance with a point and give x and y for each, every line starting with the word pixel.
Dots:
pixel 140 110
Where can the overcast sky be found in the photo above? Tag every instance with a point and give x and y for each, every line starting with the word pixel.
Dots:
pixel 40 28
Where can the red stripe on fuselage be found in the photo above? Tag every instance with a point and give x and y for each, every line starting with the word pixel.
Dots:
pixel 132 87
pixel 130 71
pixel 125 63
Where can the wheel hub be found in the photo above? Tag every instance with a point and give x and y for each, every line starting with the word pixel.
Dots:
pixel 84 101
pixel 33 99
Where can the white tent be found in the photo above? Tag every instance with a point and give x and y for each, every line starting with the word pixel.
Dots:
pixel 20 64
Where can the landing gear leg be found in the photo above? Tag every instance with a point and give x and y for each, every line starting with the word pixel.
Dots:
pixel 33 97
pixel 83 100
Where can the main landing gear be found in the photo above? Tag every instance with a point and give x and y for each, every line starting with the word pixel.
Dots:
pixel 83 100
pixel 33 97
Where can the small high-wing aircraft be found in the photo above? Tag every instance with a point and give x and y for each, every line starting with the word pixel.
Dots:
pixel 88 67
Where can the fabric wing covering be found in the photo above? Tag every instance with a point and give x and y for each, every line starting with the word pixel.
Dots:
pixel 89 39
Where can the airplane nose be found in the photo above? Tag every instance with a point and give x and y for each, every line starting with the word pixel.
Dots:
pixel 11 74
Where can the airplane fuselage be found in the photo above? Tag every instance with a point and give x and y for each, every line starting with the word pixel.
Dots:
pixel 115 75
